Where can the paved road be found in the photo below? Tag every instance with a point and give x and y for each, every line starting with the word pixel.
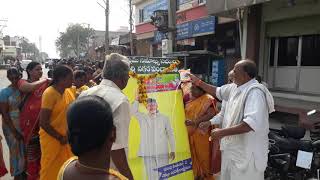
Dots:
pixel 4 83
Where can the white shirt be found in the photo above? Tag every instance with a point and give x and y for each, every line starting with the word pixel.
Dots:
pixel 256 115
pixel 217 119
pixel 120 106
pixel 155 133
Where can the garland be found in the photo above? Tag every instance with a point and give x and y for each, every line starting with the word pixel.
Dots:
pixel 142 81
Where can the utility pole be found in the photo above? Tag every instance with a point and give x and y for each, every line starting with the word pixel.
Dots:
pixel 78 44
pixel 88 38
pixel 106 11
pixel 172 9
pixel 106 40
pixel 131 28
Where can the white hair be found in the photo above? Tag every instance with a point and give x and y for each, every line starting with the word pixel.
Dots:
pixel 116 66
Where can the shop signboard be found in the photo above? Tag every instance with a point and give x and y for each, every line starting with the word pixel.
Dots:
pixel 217 76
pixel 190 29
pixel 149 9
pixel 202 27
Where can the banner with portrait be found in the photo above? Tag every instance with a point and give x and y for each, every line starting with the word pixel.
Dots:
pixel 158 139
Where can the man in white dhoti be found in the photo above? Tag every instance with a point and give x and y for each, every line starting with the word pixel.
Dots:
pixel 245 124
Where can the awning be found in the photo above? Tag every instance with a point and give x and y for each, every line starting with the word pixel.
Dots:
pixel 147 35
pixel 216 7
pixel 192 53
pixel 125 39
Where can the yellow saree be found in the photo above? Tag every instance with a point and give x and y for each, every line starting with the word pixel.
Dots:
pixel 53 154
pixel 113 173
pixel 200 147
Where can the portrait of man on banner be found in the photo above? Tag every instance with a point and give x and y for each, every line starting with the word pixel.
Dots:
pixel 156 133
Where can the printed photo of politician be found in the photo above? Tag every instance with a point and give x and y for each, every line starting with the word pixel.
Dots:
pixel 155 135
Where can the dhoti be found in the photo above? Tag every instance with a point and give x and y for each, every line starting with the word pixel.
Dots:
pixel 229 171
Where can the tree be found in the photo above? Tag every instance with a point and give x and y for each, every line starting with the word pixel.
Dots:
pixel 74 41
pixel 30 50
pixel 43 56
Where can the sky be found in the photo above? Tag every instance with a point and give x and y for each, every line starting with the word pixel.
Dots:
pixel 46 18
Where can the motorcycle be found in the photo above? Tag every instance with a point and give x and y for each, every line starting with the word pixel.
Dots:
pixel 285 145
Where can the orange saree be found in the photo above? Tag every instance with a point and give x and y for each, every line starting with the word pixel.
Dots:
pixel 200 146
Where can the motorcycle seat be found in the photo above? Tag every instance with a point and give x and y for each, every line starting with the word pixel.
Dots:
pixel 293 132
pixel 301 145
pixel 316 144
pixel 290 144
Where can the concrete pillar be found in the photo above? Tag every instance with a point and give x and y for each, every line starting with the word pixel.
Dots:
pixel 253 33
pixel 243 33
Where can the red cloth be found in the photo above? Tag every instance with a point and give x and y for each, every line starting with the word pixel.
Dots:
pixel 29 123
pixel 3 169
pixel 29 114
pixel 216 157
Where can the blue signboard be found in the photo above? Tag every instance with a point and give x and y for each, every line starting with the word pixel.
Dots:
pixel 184 30
pixel 218 71
pixel 203 26
pixel 158 37
pixel 191 29
pixel 149 9
pixel 158 5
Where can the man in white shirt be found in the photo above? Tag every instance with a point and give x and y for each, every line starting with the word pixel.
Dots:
pixel 115 78
pixel 155 134
pixel 245 125
pixel 217 119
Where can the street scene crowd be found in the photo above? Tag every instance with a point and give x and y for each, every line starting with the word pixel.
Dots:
pixel 160 89
pixel 71 124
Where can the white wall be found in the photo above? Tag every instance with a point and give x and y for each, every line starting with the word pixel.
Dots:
pixel 286 78
pixel 309 82
pixel 139 6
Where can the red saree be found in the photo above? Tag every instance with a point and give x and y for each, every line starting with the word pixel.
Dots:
pixel 29 122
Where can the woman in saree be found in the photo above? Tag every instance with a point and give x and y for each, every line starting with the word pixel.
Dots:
pixel 91 133
pixel 201 108
pixel 55 149
pixel 3 169
pixel 33 89
pixel 10 99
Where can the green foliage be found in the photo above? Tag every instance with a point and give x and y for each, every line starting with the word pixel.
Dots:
pixel 29 48
pixel 74 41
pixel 6 58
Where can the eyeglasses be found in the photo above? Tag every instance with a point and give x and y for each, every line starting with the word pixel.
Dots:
pixel 151 100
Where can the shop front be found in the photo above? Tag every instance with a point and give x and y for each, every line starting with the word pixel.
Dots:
pixel 204 44
pixel 290 53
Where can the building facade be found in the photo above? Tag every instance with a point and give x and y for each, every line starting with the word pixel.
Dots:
pixel 290 53
pixel 283 38
pixel 200 37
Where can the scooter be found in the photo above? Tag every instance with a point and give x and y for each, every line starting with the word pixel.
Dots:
pixel 291 158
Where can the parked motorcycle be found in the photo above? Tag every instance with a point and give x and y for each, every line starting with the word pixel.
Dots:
pixel 284 145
